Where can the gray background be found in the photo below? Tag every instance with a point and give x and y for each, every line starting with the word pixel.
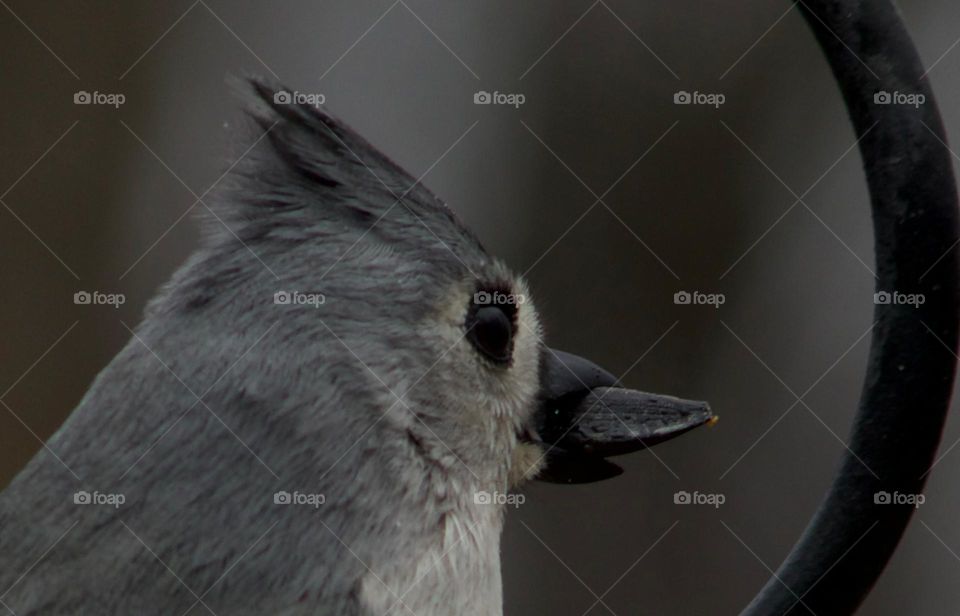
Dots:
pixel 96 198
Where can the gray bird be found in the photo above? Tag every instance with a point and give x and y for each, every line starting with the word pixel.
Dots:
pixel 338 441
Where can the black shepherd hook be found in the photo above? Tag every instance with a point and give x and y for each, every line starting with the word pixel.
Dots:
pixel 910 374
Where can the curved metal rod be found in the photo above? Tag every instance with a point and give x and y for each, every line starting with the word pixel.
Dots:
pixel 912 360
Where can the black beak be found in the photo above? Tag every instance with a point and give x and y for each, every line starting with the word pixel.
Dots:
pixel 585 416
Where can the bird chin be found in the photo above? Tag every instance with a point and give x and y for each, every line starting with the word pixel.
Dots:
pixel 584 417
pixel 529 458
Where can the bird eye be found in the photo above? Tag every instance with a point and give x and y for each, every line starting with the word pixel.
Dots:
pixel 490 330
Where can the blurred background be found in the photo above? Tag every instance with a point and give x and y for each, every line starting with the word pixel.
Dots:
pixel 610 196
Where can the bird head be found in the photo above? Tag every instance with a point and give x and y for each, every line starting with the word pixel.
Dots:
pixel 382 294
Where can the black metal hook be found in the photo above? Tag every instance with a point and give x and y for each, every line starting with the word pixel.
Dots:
pixel 913 359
